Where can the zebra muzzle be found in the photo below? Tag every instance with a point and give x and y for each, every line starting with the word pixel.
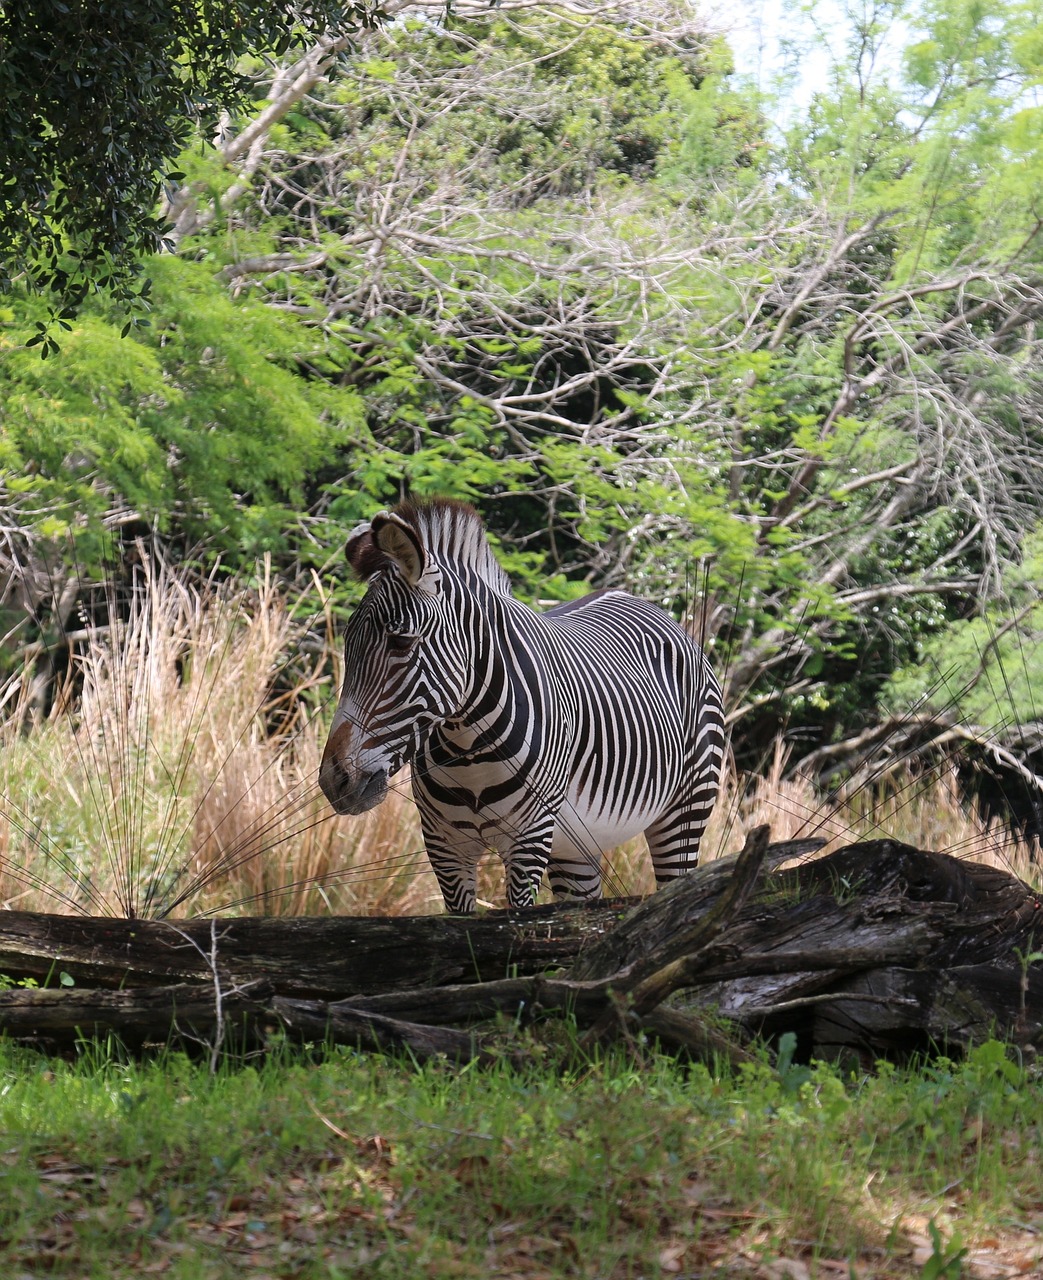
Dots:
pixel 352 792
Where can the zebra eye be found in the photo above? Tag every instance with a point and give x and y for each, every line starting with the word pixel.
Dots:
pixel 401 642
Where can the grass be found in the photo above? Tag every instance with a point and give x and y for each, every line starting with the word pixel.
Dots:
pixel 181 776
pixel 175 772
pixel 343 1165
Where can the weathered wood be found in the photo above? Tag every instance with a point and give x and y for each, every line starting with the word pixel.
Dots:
pixel 522 1000
pixel 58 1018
pixel 896 951
pixel 327 958
pixel 676 958
pixel 825 936
pixel 693 1036
pixel 342 1024
pixel 312 958
pixel 876 949
pixel 673 909
pixel 896 1011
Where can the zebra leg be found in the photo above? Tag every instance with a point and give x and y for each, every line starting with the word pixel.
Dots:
pixel 578 878
pixel 457 875
pixel 673 839
pixel 524 865
pixel 453 858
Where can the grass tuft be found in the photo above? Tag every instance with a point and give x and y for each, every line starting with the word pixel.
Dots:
pixel 177 772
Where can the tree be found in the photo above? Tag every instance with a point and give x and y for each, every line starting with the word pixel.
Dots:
pixel 564 264
pixel 96 100
pixel 495 358
pixel 906 329
pixel 198 431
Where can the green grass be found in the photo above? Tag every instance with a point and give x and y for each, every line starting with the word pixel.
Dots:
pixel 340 1164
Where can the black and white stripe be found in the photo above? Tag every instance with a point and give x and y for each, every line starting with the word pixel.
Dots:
pixel 547 737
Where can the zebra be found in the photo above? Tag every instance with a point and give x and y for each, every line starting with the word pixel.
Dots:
pixel 544 737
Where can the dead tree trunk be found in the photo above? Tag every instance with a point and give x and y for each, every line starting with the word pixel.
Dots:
pixel 306 957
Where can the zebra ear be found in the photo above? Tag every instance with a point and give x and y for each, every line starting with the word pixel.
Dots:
pixel 401 543
pixel 362 552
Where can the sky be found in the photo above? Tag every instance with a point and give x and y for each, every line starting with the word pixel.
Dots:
pixel 756 29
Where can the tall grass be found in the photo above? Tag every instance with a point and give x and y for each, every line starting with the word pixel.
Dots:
pixel 175 772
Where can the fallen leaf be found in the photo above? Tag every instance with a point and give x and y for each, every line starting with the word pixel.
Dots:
pixel 786 1269
pixel 671 1259
pixel 986 1266
pixel 697 1192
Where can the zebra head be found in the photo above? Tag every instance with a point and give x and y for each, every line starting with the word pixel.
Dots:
pixel 404 663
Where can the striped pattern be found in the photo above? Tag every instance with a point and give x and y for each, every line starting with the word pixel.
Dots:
pixel 547 737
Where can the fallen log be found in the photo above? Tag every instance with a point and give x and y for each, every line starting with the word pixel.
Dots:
pixel 60 1018
pixel 878 949
pixel 306 957
pixel 341 1024
pixel 325 958
pixel 895 1012
pixel 673 910
pixel 941 953
pixel 678 959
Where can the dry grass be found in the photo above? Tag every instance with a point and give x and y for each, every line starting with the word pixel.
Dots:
pixel 182 775
pixel 924 809
pixel 176 771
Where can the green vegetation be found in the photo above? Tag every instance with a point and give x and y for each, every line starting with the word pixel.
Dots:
pixel 987 665
pixel 786 384
pixel 339 1164
pixel 96 100
pixel 200 427
pixel 565 267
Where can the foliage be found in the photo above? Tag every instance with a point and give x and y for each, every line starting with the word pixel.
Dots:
pixel 986 669
pixel 562 266
pixel 497 363
pixel 201 428
pixel 96 100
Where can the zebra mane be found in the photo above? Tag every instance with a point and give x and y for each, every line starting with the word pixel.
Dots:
pixel 453 531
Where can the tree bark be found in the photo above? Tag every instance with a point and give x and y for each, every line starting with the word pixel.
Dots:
pixel 343 1024
pixel 306 957
pixel 59 1018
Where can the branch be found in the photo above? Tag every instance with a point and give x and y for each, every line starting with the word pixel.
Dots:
pixel 670 965
pixel 287 89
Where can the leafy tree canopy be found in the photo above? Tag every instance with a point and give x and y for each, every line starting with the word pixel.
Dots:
pixel 562 265
pixel 200 427
pixel 97 97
